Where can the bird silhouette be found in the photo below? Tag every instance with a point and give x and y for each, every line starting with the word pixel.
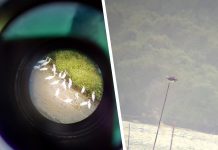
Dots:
pixel 49 77
pixel 93 96
pixel 172 78
pixel 46 62
pixel 68 100
pixel 64 75
pixel 55 82
pixel 37 67
pixel 83 89
pixel 83 103
pixel 64 85
pixel 60 74
pixel 43 69
pixel 43 60
pixel 53 69
pixel 69 83
pixel 57 92
pixel 88 103
pixel 77 95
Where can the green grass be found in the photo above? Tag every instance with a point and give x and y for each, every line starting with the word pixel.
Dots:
pixel 81 70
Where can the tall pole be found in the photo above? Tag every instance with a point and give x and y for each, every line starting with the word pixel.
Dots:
pixel 158 128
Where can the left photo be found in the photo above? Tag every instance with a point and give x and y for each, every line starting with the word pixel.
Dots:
pixel 57 90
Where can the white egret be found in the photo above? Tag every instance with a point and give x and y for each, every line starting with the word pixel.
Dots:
pixel 43 69
pixel 60 74
pixel 83 103
pixel 93 96
pixel 55 82
pixel 64 84
pixel 83 90
pixel 89 104
pixel 69 83
pixel 47 62
pixel 37 67
pixel 68 100
pixel 53 69
pixel 64 74
pixel 43 60
pixel 77 95
pixel 49 77
pixel 57 92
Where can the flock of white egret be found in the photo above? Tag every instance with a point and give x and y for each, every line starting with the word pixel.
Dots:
pixel 65 84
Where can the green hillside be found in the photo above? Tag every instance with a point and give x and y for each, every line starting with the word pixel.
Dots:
pixel 81 70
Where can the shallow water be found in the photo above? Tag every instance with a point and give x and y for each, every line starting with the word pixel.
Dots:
pixel 54 108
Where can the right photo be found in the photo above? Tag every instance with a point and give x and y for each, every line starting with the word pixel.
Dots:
pixel 166 62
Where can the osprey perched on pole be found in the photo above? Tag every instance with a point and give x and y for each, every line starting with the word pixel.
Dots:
pixel 172 78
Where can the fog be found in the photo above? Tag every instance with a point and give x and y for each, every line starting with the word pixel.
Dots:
pixel 155 38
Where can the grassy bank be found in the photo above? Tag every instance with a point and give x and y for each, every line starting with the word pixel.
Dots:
pixel 81 70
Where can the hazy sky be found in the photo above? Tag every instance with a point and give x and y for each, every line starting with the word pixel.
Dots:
pixel 155 38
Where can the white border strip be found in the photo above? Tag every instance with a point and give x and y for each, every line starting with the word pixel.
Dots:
pixel 113 74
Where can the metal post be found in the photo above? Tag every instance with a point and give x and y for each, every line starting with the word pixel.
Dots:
pixel 161 116
pixel 171 143
pixel 128 137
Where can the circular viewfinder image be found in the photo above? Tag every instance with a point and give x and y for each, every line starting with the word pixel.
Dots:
pixel 66 86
